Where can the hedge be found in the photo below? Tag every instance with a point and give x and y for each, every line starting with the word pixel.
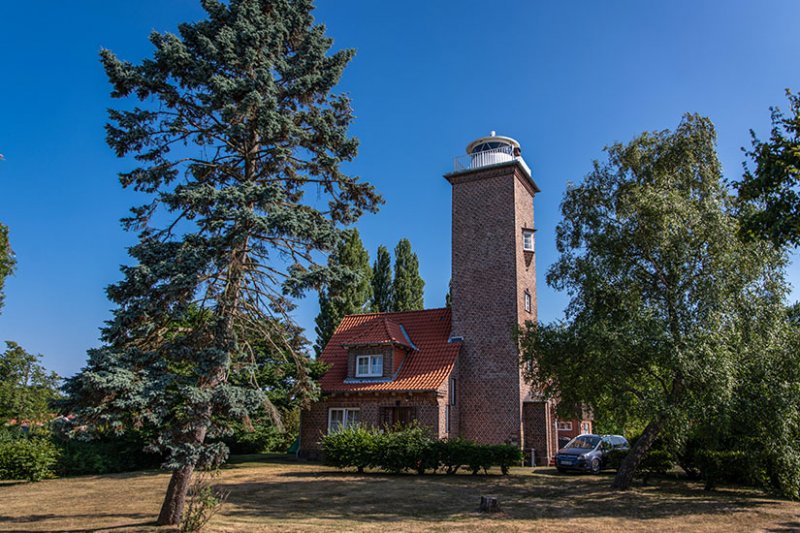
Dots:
pixel 412 449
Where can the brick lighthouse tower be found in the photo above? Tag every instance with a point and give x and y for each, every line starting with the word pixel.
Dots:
pixel 493 285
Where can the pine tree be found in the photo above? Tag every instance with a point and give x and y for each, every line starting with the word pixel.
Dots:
pixel 407 288
pixel 382 281
pixel 237 123
pixel 351 294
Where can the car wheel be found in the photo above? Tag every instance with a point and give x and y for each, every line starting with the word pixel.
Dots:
pixel 595 468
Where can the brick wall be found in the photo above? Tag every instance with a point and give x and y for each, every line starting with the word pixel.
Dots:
pixel 314 420
pixel 490 273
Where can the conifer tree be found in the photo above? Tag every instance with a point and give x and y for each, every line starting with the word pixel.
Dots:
pixel 408 286
pixel 382 281
pixel 237 123
pixel 351 294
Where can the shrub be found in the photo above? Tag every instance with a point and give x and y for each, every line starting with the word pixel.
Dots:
pixel 723 466
pixel 655 462
pixel 505 456
pixel 452 454
pixel 480 458
pixel 105 455
pixel 262 438
pixel 351 447
pixel 202 503
pixel 31 459
pixel 411 448
pixel 406 448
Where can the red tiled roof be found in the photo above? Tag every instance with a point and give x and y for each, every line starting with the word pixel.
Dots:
pixel 423 370
pixel 377 330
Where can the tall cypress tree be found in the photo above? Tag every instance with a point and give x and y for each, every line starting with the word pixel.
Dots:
pixel 351 293
pixel 6 261
pixel 382 281
pixel 237 122
pixel 407 288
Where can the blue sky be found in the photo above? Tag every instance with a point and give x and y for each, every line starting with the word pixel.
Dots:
pixel 564 78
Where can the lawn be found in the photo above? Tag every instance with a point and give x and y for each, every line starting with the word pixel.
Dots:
pixel 279 495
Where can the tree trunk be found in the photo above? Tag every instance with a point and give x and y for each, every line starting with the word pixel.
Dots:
pixel 174 500
pixel 627 469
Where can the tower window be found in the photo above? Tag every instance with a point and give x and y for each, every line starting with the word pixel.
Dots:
pixel 528 300
pixel 527 240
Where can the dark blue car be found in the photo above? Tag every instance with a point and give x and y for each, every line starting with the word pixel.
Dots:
pixel 589 453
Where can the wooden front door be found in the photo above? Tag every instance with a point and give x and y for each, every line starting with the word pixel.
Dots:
pixel 402 416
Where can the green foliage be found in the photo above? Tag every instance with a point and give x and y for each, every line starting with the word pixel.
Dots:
pixel 772 188
pixel 406 448
pixel 382 281
pixel 261 438
pixel 352 447
pixel 408 286
pixel 203 503
pixel 237 121
pixel 411 448
pixel 657 276
pixel 30 459
pixel 351 293
pixel 7 260
pixel 722 466
pixel 479 458
pixel 105 454
pixel 26 388
pixel 453 453
pixel 656 462
pixel 505 456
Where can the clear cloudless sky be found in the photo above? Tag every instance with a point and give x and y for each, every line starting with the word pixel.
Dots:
pixel 564 78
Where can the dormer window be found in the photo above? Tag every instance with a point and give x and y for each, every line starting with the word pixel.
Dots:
pixel 369 366
pixel 527 240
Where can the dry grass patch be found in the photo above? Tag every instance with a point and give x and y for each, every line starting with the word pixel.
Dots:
pixel 283 496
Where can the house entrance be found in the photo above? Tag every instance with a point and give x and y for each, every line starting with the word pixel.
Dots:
pixel 392 416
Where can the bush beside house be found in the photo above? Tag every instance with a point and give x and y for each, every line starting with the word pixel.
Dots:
pixel 412 449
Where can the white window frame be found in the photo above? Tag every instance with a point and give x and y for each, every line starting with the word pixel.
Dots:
pixel 345 417
pixel 374 369
pixel 565 425
pixel 453 391
pixel 447 419
pixel 528 300
pixel 527 240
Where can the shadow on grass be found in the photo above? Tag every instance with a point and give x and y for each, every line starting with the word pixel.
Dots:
pixel 29 522
pixel 376 497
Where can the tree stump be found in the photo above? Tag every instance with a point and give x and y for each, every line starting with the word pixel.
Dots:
pixel 489 504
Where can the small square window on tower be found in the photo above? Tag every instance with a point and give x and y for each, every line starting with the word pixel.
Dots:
pixel 528 300
pixel 527 240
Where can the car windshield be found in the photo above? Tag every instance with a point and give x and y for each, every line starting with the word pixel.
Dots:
pixel 583 443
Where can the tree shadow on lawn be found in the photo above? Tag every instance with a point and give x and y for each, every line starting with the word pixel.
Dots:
pixel 28 523
pixel 375 497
